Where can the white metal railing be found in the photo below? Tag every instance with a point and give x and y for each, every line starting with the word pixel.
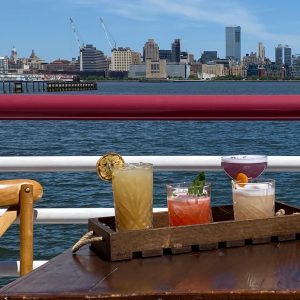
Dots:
pixel 70 215
pixel 12 268
pixel 88 164
pixel 161 163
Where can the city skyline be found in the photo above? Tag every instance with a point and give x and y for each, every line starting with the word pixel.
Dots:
pixel 200 25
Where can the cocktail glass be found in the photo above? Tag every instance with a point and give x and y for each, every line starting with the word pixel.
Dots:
pixel 251 165
pixel 133 196
pixel 253 200
pixel 186 206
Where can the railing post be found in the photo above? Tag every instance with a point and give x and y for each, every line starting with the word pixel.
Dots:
pixel 26 229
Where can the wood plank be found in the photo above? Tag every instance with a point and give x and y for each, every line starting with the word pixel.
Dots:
pixel 262 240
pixel 267 271
pixel 237 243
pixel 7 219
pixel 211 246
pixel 181 249
pixel 286 237
pixel 153 252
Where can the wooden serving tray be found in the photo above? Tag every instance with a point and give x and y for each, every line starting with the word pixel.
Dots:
pixel 223 232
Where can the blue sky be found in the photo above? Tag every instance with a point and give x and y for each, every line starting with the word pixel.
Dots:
pixel 44 25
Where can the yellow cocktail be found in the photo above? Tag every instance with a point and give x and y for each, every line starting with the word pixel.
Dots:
pixel 133 196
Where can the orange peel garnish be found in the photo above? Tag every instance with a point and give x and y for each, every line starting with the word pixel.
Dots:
pixel 242 179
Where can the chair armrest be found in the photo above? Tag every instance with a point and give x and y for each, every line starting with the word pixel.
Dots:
pixel 10 189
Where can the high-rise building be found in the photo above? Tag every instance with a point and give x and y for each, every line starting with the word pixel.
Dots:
pixel 279 55
pixel 150 51
pixel 121 59
pixel 283 55
pixel 93 59
pixel 233 42
pixel 287 55
pixel 14 55
pixel 176 51
pixel 261 52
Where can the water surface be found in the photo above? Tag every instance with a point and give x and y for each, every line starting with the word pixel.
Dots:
pixel 38 138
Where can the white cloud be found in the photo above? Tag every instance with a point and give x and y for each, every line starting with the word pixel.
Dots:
pixel 216 11
pixel 223 12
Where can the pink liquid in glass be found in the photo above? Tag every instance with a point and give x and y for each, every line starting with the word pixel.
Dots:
pixel 251 165
pixel 189 210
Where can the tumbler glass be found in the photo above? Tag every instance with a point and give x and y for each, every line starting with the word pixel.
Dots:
pixel 133 196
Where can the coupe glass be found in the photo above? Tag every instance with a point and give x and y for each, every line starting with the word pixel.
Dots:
pixel 251 165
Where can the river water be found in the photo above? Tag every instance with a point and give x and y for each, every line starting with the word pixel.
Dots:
pixel 94 138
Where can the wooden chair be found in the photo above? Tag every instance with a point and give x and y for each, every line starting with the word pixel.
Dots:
pixel 18 196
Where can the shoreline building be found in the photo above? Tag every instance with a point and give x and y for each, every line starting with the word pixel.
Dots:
pixel 175 52
pixel 287 55
pixel 93 60
pixel 233 42
pixel 296 66
pixel 3 65
pixel 172 55
pixel 150 51
pixel 212 70
pixel 261 52
pixel 15 64
pixel 122 58
pixel 34 63
pixel 283 55
pixel 279 55
pixel 14 55
pixel 60 66
pixel 207 56
pixel 165 54
pixel 154 67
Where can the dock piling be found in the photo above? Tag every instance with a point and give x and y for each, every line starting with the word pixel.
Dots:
pixel 18 87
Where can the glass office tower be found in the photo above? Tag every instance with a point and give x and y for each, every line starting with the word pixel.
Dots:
pixel 233 42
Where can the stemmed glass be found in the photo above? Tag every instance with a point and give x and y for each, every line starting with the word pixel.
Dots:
pixel 251 165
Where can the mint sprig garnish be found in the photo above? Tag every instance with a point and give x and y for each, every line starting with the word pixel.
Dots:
pixel 197 185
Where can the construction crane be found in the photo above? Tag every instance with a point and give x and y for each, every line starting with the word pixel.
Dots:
pixel 79 42
pixel 111 41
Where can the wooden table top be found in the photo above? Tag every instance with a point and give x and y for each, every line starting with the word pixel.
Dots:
pixel 249 272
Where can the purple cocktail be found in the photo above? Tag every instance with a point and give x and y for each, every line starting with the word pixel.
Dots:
pixel 251 165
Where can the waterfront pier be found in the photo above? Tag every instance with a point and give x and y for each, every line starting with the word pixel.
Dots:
pixel 41 86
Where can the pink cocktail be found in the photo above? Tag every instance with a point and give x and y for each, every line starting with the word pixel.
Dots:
pixel 251 165
pixel 185 207
pixel 187 210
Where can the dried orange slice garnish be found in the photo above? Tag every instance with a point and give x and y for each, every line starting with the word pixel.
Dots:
pixel 106 163
pixel 242 179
